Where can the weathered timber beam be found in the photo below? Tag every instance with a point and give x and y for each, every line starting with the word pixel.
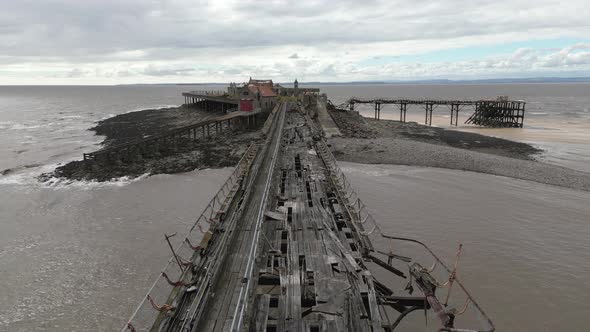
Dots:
pixel 386 266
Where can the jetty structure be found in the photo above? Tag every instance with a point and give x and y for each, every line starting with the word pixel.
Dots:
pixel 238 106
pixel 501 112
pixel 244 104
pixel 254 95
pixel 287 245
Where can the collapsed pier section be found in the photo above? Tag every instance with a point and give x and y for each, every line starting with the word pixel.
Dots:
pixel 499 113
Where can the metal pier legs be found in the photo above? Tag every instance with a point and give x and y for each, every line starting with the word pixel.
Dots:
pixel 455 114
pixel 428 120
pixel 377 111
pixel 402 112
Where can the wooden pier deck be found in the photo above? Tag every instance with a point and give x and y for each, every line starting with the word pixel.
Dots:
pixel 489 113
pixel 286 245
pixel 210 100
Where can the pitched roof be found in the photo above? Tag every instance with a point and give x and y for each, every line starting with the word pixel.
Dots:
pixel 265 90
pixel 253 81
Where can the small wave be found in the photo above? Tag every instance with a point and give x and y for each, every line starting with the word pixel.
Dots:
pixel 25 126
pixel 28 176
pixel 72 117
pixel 157 107
pixel 538 113
pixel 572 114
pixel 21 126
pixel 9 171
pixel 61 183
pixel 110 115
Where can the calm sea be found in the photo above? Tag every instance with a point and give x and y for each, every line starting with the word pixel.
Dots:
pixel 79 256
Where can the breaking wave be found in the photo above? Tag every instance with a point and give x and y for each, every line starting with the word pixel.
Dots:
pixel 28 175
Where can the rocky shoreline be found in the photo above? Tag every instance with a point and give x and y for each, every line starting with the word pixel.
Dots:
pixel 222 150
pixel 364 140
pixel 370 141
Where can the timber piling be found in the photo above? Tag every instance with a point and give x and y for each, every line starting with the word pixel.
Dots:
pixel 502 113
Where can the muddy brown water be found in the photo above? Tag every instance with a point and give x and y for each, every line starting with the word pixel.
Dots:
pixel 80 256
pixel 526 255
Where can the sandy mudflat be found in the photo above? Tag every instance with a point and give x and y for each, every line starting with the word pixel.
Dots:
pixel 406 152
pixel 388 142
pixel 354 125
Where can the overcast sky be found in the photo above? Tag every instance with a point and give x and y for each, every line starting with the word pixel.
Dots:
pixel 143 41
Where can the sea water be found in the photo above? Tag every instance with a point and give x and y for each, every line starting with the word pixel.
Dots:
pixel 81 255
pixel 557 118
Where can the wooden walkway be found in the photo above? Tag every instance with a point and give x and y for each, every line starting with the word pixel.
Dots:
pixel 290 248
pixel 211 100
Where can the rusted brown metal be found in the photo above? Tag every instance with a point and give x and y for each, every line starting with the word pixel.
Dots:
pixel 180 265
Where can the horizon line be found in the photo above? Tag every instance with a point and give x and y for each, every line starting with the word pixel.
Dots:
pixel 540 79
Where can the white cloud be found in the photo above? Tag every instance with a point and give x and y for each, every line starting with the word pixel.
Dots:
pixel 152 70
pixel 113 41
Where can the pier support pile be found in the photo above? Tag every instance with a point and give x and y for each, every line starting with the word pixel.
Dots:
pixel 488 113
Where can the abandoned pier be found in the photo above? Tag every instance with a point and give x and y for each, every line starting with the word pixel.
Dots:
pixel 287 245
pixel 501 113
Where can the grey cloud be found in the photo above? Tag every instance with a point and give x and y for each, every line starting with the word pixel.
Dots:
pixel 124 73
pixel 75 73
pixel 133 33
pixel 328 71
pixel 232 71
pixel 154 71
pixel 77 29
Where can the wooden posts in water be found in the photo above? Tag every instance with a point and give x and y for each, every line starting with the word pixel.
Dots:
pixel 454 114
pixel 488 113
pixel 403 108
pixel 429 108
pixel 377 110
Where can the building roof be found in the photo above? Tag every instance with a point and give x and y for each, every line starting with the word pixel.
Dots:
pixel 264 89
pixel 260 82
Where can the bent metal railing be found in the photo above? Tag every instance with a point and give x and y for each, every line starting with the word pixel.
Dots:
pixel 371 233
pixel 176 272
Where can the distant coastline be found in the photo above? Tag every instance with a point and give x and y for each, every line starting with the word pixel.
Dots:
pixel 425 81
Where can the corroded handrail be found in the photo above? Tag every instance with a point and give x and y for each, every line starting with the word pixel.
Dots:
pixel 171 278
pixel 208 92
pixel 368 226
